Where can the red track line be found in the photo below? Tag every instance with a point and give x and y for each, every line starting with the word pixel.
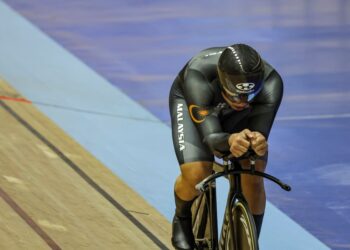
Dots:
pixel 14 99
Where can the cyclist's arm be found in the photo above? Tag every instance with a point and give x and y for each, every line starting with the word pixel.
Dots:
pixel 199 97
pixel 266 105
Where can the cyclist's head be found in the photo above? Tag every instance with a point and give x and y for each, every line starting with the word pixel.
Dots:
pixel 241 72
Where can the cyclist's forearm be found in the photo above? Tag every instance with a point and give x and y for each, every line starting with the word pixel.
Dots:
pixel 218 143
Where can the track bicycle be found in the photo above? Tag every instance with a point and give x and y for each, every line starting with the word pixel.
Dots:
pixel 238 230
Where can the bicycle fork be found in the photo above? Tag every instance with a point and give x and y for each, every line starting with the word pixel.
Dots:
pixel 235 188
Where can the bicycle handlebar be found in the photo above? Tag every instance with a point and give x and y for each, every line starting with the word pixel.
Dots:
pixel 203 185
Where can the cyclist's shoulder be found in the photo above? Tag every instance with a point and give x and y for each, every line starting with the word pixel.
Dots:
pixel 270 72
pixel 205 61
pixel 272 90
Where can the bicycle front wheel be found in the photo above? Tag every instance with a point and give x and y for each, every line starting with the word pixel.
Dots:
pixel 243 236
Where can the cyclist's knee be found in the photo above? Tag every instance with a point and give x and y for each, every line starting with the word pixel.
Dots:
pixel 255 182
pixel 260 165
pixel 194 172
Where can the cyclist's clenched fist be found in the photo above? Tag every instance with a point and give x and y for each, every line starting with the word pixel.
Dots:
pixel 258 143
pixel 240 142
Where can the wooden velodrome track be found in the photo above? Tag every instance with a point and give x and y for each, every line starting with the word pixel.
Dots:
pixel 56 195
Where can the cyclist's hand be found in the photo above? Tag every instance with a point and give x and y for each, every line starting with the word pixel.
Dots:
pixel 258 143
pixel 239 142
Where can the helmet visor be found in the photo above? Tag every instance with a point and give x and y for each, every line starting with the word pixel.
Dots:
pixel 240 88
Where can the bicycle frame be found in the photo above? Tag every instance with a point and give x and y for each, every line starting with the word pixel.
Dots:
pixel 232 170
pixel 235 195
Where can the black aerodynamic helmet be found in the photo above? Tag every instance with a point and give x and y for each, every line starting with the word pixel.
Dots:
pixel 241 72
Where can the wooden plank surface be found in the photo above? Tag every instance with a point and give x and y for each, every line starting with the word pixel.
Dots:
pixel 67 193
pixel 11 224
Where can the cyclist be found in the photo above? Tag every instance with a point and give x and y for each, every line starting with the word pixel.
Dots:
pixel 223 101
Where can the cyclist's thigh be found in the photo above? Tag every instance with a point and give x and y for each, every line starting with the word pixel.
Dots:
pixel 187 141
pixel 194 172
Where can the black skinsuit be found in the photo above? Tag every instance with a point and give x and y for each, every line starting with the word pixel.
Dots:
pixel 202 121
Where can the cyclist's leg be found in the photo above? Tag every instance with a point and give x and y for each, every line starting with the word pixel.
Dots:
pixel 254 192
pixel 185 194
pixel 195 161
pixel 191 174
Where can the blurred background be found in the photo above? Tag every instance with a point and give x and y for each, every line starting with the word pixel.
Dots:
pixel 138 47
